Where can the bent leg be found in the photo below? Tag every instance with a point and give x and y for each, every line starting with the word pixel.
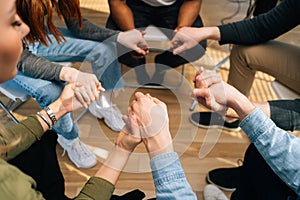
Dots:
pixel 274 58
pixel 258 181
pixel 40 162
pixel 102 56
pixel 46 92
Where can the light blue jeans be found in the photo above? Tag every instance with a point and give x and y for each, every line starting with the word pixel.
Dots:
pixel 45 92
pixel 101 55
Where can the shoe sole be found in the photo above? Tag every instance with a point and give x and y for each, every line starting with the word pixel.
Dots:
pixel 222 188
pixel 214 126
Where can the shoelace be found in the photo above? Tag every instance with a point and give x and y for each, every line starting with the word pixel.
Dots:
pixel 79 148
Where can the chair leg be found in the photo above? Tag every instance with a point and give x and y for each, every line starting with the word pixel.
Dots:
pixel 194 103
pixel 160 86
pixel 9 113
pixel 81 115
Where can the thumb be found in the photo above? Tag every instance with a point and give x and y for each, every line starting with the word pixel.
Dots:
pixel 143 33
pixel 139 50
pixel 203 93
pixel 179 49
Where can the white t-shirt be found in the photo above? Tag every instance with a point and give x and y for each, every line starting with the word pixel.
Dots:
pixel 159 2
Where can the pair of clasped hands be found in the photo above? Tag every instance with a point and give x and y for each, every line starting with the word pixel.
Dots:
pixel 146 121
pixel 87 87
pixel 184 39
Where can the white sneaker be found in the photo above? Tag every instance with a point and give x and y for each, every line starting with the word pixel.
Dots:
pixel 211 192
pixel 112 115
pixel 78 152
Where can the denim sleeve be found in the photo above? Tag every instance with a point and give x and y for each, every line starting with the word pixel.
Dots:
pixel 38 67
pixel 169 178
pixel 90 31
pixel 280 149
pixel 286 114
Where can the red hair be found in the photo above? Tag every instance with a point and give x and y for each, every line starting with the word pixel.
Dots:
pixel 37 14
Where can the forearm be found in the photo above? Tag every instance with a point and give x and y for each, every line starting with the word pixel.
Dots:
pixel 159 144
pixel 279 148
pixel 90 31
pixel 264 106
pixel 68 74
pixel 96 188
pixel 169 178
pixel 38 67
pixel 27 131
pixel 121 14
pixel 188 12
pixel 211 33
pixel 114 165
pixel 239 103
pixel 264 27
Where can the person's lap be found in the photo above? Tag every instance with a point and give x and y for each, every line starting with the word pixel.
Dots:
pixel 45 92
pixel 165 18
pixel 258 181
pixel 40 162
pixel 275 58
pixel 101 55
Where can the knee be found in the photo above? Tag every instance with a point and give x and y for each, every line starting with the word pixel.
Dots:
pixel 240 51
pixel 48 94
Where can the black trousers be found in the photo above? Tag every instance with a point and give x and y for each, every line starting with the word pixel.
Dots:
pixel 259 182
pixel 164 17
pixel 40 162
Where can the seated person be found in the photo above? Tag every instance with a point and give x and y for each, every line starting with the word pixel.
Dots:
pixel 169 16
pixel 16 185
pixel 254 49
pixel 271 168
pixel 80 41
pixel 37 76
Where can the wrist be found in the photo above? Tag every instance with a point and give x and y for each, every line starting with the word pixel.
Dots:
pixel 242 105
pixel 68 74
pixel 159 144
pixel 58 109
pixel 117 159
pixel 212 33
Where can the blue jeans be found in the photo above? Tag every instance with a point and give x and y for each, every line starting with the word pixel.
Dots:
pixel 45 92
pixel 102 56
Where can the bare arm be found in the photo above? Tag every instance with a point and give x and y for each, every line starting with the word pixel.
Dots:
pixel 188 12
pixel 121 14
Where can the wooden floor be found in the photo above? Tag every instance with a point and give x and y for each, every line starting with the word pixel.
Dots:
pixel 196 147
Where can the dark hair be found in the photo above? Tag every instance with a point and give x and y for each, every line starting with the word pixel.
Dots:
pixel 37 14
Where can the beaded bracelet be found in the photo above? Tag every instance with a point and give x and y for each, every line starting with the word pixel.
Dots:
pixel 51 115
pixel 44 119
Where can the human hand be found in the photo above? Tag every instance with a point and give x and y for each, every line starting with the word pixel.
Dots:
pixel 204 78
pixel 211 91
pixel 89 88
pixel 185 38
pixel 151 116
pixel 130 132
pixel 66 102
pixel 218 95
pixel 133 39
pixel 87 85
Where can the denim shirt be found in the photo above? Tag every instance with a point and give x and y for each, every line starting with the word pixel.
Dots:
pixel 169 178
pixel 280 149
